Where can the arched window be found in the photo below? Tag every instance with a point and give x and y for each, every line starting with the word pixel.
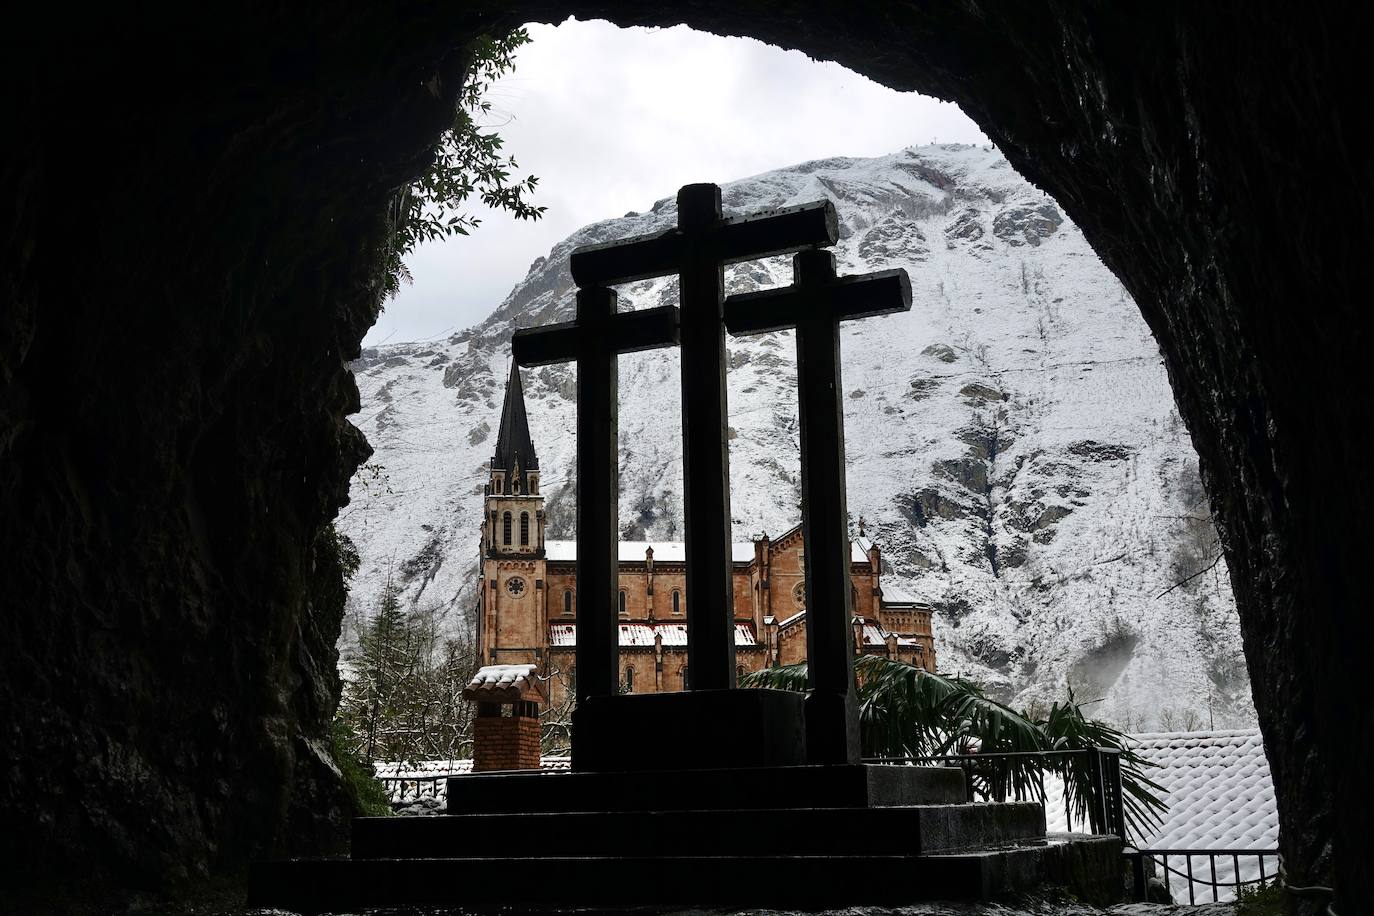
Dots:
pixel 515 485
pixel 567 601
pixel 677 601
pixel 572 680
pixel 493 527
pixel 686 680
pixel 622 601
pixel 629 680
pixel 524 529
pixel 739 671
pixel 505 528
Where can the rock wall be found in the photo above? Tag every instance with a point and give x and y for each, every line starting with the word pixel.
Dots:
pixel 189 260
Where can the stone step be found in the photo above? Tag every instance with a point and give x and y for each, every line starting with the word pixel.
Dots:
pixel 533 880
pixel 857 786
pixel 790 831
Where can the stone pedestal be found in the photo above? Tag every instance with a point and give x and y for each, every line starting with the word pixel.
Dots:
pixel 698 729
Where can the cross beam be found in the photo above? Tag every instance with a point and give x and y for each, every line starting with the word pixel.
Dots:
pixel 815 305
pixel 593 341
pixel 697 250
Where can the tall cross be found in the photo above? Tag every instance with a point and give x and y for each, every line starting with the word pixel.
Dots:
pixel 594 340
pixel 697 251
pixel 815 304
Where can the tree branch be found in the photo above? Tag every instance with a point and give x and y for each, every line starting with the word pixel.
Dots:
pixel 1208 568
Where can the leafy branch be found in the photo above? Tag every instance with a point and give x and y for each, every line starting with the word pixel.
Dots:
pixel 468 160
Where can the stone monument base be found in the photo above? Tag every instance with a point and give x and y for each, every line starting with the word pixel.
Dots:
pixel 697 729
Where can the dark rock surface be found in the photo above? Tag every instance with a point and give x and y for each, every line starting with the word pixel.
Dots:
pixel 192 238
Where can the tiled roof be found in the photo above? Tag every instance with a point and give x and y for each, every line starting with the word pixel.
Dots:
pixel 1220 796
pixel 894 595
pixel 633 551
pixel 505 684
pixel 670 551
pixel 496 676
pixel 563 635
pixel 1220 791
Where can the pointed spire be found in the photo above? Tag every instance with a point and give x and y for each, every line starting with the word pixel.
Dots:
pixel 514 449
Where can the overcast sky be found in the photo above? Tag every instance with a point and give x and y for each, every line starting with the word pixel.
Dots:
pixel 612 120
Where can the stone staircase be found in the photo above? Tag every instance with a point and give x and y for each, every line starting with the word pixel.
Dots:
pixel 801 837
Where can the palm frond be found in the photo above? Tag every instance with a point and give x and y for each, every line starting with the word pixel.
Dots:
pixel 1068 729
pixel 906 711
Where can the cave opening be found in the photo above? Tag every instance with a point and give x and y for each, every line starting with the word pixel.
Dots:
pixel 171 585
pixel 1015 496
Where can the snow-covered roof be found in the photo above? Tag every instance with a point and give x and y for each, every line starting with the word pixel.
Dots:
pixel 564 635
pixel 633 551
pixel 894 595
pixel 1220 796
pixel 671 551
pixel 505 684
pixel 1220 791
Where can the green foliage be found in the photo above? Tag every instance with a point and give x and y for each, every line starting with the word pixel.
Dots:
pixel 1266 899
pixel 403 700
pixel 906 711
pixel 1068 729
pixel 362 786
pixel 467 160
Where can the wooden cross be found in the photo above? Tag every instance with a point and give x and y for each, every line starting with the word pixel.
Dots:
pixel 697 251
pixel 594 340
pixel 815 304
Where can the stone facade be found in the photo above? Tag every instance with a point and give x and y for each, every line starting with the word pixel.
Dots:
pixel 528 602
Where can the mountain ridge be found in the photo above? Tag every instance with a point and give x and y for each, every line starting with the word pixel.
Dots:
pixel 1012 442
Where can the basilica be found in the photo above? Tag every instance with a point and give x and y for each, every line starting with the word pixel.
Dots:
pixel 528 590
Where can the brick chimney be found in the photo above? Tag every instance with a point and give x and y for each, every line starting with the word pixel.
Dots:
pixel 506 730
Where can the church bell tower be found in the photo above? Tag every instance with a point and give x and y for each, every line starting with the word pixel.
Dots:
pixel 512 623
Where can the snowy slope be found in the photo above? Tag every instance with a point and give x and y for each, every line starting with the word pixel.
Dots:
pixel 1012 440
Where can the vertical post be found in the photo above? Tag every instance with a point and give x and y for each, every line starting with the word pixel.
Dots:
pixel 596 625
pixel 705 452
pixel 1139 885
pixel 1118 798
pixel 832 712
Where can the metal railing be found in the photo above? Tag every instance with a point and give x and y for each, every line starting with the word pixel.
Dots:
pixel 1161 857
pixel 402 790
pixel 1020 776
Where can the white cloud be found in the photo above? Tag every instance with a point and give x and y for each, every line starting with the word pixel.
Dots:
pixel 613 119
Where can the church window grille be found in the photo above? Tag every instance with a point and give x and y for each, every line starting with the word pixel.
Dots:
pixel 505 528
pixel 524 529
pixel 567 601
pixel 629 680
pixel 622 602
pixel 677 601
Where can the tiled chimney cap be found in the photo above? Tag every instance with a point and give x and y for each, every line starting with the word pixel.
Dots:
pixel 506 684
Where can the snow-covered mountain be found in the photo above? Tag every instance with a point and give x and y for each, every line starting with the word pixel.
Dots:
pixel 1012 440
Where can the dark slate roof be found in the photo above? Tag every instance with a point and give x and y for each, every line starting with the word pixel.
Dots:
pixel 513 443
